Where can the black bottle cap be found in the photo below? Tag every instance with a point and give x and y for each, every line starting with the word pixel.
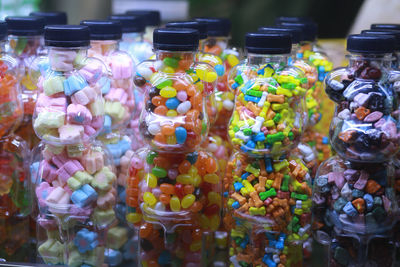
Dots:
pixel 216 26
pixel 308 27
pixel 385 26
pixel 295 33
pixel 175 39
pixel 268 43
pixel 129 23
pixel 197 25
pixel 370 44
pixel 3 30
pixel 66 35
pixel 395 33
pixel 103 29
pixel 150 17
pixel 25 26
pixel 52 18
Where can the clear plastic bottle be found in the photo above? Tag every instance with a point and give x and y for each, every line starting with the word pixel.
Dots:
pixel 354 203
pixel 15 194
pixel 25 42
pixel 269 200
pixel 394 29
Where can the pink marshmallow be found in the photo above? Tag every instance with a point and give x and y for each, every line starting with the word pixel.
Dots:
pixel 121 68
pixel 92 71
pixel 59 160
pixel 48 172
pixel 71 133
pixel 42 192
pixel 84 96
pixel 68 170
pixel 117 94
pixel 51 103
pixel 58 196
pixel 93 162
pixel 78 114
pixel 97 122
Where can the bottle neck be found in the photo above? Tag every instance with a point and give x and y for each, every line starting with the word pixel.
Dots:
pixel 104 47
pixel 362 61
pixel 132 37
pixel 25 46
pixel 208 44
pixel 274 60
pixel 188 56
pixel 63 58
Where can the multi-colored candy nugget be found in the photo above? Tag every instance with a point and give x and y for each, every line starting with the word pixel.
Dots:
pixel 274 195
pixel 363 127
pixel 25 44
pixel 175 117
pixel 75 191
pixel 216 51
pixel 268 114
pixel 151 19
pixel 70 106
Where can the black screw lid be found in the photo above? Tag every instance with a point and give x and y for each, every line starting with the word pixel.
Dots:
pixel 25 26
pixel 268 43
pixel 175 39
pixel 51 18
pixel 370 44
pixel 308 27
pixel 129 23
pixel 385 26
pixel 394 33
pixel 3 30
pixel 150 17
pixel 295 33
pixel 292 19
pixel 201 27
pixel 216 26
pixel 66 35
pixel 103 29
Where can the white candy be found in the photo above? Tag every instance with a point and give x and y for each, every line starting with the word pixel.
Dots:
pixel 240 135
pixel 304 229
pixel 184 107
pixel 346 192
pixel 263 99
pixel 227 104
pixel 304 149
pixel 212 147
pixel 154 128
pixel 276 258
pixel 299 204
pixel 310 157
pixel 257 124
pixel 234 261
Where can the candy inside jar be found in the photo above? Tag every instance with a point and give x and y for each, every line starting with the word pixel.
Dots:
pixel 269 108
pixel 176 88
pixel 364 127
pixel 70 106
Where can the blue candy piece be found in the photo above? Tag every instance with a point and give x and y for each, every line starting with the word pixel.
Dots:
pixel 267 259
pixel 244 242
pixel 245 175
pixel 192 157
pixel 369 201
pixel 235 205
pixel 250 144
pixel 120 211
pixel 112 257
pixel 226 194
pixel 107 124
pixel 247 86
pixel 84 196
pixel 122 195
pixel 180 134
pixel 260 71
pixel 357 193
pixel 325 140
pixel 299 55
pixel 238 186
pixel 235 85
pixel 34 169
pixel 321 69
pixel 350 210
pixel 130 249
pixel 138 97
pixel 252 98
pixel 244 148
pixel 268 165
pixel 106 85
pixel 165 258
pixel 85 240
pixel 220 69
pixel 259 137
pixel 74 84
pixel 172 103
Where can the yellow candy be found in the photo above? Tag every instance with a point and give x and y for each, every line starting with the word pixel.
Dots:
pixel 168 92
pixel 201 73
pixel 196 180
pixel 175 204
pixel 151 180
pixel 204 221
pixel 188 201
pixel 169 70
pixel 196 246
pixel 184 179
pixel 134 217
pixel 211 77
pixel 149 199
pixel 232 60
pixel 171 140
pixel 215 221
pixel 211 178
pixel 172 113
pixel 214 198
pixel 193 170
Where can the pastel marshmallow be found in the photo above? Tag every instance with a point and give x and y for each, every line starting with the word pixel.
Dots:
pixel 73 84
pixel 84 96
pixel 117 94
pixel 121 67
pixel 107 200
pixel 78 114
pixel 68 170
pixel 58 196
pixel 84 196
pixel 53 85
pixel 79 179
pixel 92 71
pixel 93 161
pixel 49 119
pixel 104 179
pixel 71 133
pixel 115 109
pixel 97 107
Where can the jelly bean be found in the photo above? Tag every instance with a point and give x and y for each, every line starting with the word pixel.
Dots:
pixel 188 201
pixel 168 92
pixel 149 199
pixel 175 204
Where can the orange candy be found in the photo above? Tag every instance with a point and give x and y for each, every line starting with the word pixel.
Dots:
pixel 184 167
pixel 167 189
pixel 168 129
pixel 161 110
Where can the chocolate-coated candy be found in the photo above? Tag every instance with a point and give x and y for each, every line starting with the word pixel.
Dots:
pixel 139 81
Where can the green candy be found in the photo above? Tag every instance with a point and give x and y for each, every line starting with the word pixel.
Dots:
pixel 150 157
pixel 247 131
pixel 171 62
pixel 272 90
pixel 159 172
pixel 303 197
pixel 285 183
pixel 239 79
pixel 164 84
pixel 270 193
pixel 236 128
pixel 254 93
pixel 277 118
